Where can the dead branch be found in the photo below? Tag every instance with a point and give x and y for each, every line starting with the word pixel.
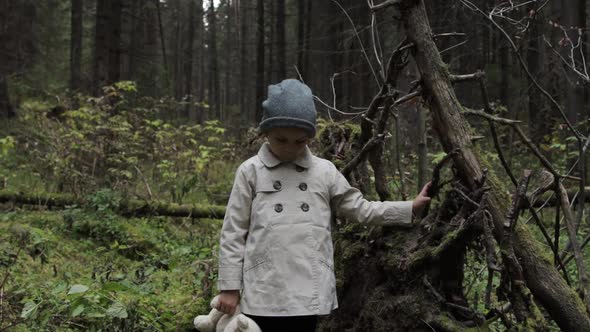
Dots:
pixel 352 164
pixel 469 77
pixel 571 230
pixel 555 104
pixel 385 4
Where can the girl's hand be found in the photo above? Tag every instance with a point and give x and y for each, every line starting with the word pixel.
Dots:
pixel 228 301
pixel 421 200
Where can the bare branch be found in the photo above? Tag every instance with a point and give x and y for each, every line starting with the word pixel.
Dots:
pixel 571 230
pixel 359 40
pixel 555 104
pixel 469 77
pixel 385 4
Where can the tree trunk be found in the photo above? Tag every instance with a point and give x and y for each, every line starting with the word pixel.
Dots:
pixel 538 112
pixel 259 61
pixel 228 49
pixel 178 54
pixel 573 14
pixel 6 109
pixel 163 45
pixel 281 61
pixel 300 32
pixel 101 46
pixel 305 67
pixel 188 59
pixel 423 174
pixel 151 44
pixel 197 113
pixel 76 45
pixel 114 43
pixel 243 87
pixel 213 74
pixel 135 37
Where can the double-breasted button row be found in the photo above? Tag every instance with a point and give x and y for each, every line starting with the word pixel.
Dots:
pixel 279 207
pixel 278 185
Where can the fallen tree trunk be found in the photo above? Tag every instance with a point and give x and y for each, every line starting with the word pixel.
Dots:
pixel 547 286
pixel 126 207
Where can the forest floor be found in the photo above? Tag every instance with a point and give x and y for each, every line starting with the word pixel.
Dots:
pixel 93 270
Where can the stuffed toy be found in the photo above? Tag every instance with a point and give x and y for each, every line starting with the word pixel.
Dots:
pixel 217 321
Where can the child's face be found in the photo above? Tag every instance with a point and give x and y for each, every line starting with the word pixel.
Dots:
pixel 287 143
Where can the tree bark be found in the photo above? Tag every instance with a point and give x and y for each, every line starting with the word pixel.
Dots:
pixel 213 73
pixel 281 61
pixel 300 32
pixel 260 50
pixel 197 114
pixel 76 45
pixel 537 107
pixel 188 58
pixel 114 63
pixel 101 46
pixel 177 66
pixel 244 73
pixel 574 15
pixel 163 44
pixel 6 109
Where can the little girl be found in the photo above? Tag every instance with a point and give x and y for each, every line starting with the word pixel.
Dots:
pixel 276 243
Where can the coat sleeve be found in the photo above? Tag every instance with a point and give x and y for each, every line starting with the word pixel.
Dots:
pixel 233 233
pixel 349 202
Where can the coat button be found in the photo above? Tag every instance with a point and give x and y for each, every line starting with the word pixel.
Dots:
pixel 278 207
pixel 299 168
pixel 277 185
pixel 304 207
pixel 303 186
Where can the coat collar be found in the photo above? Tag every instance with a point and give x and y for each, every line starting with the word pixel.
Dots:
pixel 269 160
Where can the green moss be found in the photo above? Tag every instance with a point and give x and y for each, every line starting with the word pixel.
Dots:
pixel 161 288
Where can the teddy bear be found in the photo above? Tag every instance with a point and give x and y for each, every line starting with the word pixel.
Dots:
pixel 217 321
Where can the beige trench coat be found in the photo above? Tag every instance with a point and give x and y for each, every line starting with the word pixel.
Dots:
pixel 276 243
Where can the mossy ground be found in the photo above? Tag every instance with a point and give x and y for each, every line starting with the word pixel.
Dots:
pixel 137 274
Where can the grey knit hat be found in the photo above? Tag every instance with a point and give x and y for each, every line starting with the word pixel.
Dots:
pixel 289 104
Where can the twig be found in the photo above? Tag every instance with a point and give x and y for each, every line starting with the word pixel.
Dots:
pixel 385 4
pixel 375 39
pixel 557 106
pixel 501 153
pixel 513 123
pixel 147 185
pixel 468 77
pixel 491 263
pixel 571 230
pixel 360 41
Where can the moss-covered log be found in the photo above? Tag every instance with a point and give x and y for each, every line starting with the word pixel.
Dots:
pixel 126 207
